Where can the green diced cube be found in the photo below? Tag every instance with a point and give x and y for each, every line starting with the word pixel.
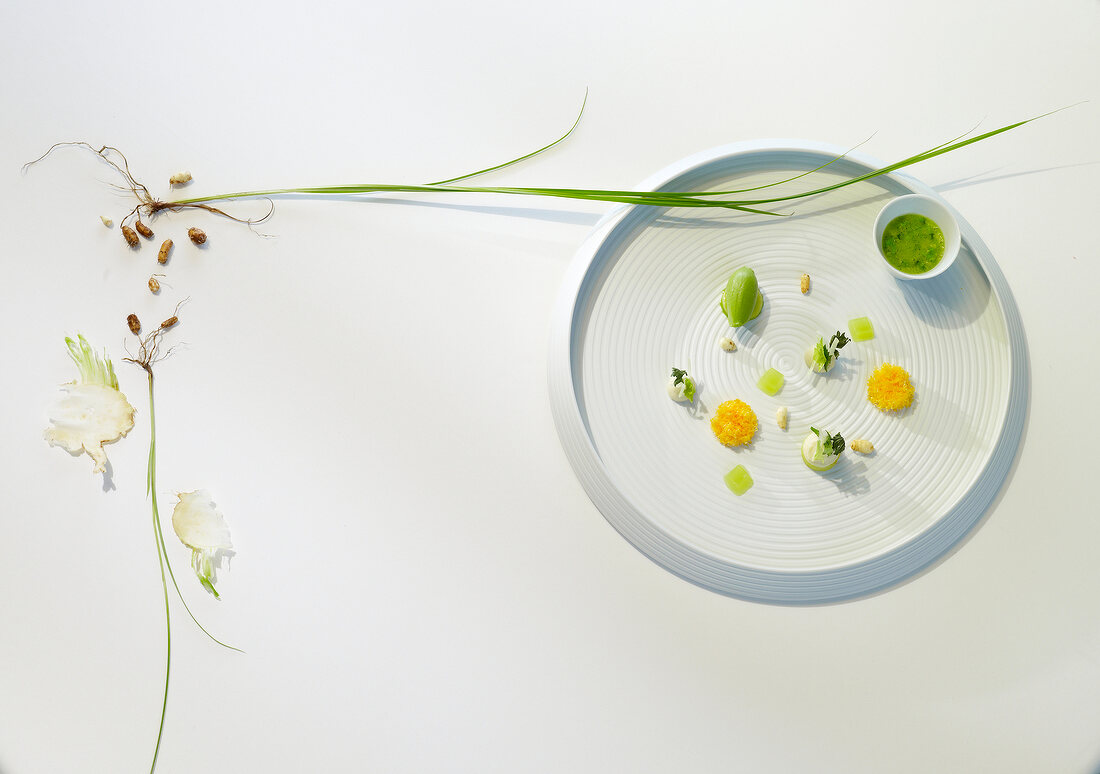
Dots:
pixel 861 329
pixel 771 382
pixel 738 480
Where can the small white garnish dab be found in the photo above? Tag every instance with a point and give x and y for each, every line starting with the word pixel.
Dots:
pixel 781 417
pixel 106 221
pixel 681 387
pixel 200 527
pixel 93 411
pixel 728 344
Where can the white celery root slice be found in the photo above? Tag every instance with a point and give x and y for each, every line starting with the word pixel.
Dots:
pixel 202 528
pixel 92 411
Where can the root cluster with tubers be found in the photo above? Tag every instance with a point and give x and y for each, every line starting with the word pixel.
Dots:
pixel 132 224
pixel 148 204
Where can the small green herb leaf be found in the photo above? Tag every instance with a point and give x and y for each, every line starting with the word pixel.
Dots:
pixel 689 388
pixel 828 445
pixel 837 342
pixel 837 444
pixel 824 354
pixel 821 354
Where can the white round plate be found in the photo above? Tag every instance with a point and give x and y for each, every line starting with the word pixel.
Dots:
pixel 642 297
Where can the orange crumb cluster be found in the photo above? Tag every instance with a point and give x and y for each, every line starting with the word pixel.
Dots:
pixel 734 423
pixel 889 388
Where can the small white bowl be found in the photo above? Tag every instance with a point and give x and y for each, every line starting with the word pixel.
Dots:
pixel 934 210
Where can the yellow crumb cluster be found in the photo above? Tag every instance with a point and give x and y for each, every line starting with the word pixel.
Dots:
pixel 734 423
pixel 889 388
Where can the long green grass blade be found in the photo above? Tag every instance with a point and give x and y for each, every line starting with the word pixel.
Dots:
pixel 647 198
pixel 939 150
pixel 161 558
pixel 168 651
pixel 523 157
pixel 661 198
pixel 151 492
pixel 165 564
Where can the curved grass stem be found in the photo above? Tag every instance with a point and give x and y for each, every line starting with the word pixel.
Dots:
pixel 151 491
pixel 151 480
pixel 524 157
pixel 164 564
pixel 720 199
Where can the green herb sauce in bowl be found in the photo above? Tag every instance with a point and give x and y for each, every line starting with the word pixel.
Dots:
pixel 917 236
pixel 912 243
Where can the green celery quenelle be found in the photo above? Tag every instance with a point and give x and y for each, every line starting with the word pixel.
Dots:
pixel 741 301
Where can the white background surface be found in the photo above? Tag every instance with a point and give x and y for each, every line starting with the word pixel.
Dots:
pixel 420 582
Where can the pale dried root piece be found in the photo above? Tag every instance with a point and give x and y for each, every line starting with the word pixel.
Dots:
pixel 197 235
pixel 165 248
pixel 728 344
pixel 133 323
pixel 861 445
pixel 130 236
pixel 106 221
pixel 804 286
pixel 781 417
pixel 179 178
pixel 154 285
pixel 144 230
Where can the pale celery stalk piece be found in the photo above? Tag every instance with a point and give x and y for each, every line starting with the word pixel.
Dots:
pixel 771 382
pixel 738 480
pixel 202 528
pixel 93 411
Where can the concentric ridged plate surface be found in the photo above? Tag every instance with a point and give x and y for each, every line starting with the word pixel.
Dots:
pixel 642 297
